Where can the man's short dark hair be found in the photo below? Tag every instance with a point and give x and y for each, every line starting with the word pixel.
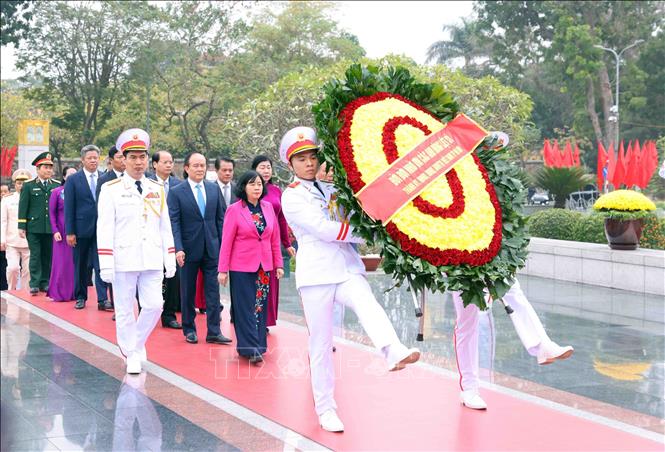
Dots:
pixel 219 160
pixel 113 151
pixel 249 176
pixel 156 157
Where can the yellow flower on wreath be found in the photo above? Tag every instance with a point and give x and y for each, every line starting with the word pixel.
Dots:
pixel 624 200
pixel 468 232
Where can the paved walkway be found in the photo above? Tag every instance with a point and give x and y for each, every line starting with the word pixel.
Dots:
pixel 65 388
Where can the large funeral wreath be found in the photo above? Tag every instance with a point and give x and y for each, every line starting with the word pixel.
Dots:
pixel 463 232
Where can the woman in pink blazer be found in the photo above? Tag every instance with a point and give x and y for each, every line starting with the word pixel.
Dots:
pixel 250 251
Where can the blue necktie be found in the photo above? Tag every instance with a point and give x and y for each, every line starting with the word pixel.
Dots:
pixel 93 186
pixel 199 200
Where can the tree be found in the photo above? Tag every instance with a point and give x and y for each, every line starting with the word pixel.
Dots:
pixel 15 18
pixel 464 42
pixel 561 182
pixel 562 36
pixel 258 125
pixel 79 54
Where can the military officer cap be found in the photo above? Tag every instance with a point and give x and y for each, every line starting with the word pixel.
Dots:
pixel 296 140
pixel 45 158
pixel 133 140
pixel 21 174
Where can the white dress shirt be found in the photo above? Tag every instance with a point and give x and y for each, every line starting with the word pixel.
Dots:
pixel 193 185
pixel 226 191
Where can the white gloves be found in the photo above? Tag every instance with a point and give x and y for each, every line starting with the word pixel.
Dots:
pixel 107 275
pixel 170 272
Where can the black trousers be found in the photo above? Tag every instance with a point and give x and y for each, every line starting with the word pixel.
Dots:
pixel 85 256
pixel 188 274
pixel 171 295
pixel 41 250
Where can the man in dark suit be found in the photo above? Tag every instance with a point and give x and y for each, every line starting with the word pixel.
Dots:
pixel 197 212
pixel 81 227
pixel 117 168
pixel 224 167
pixel 162 164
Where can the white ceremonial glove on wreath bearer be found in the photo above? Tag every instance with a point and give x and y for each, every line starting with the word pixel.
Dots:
pixel 107 275
pixel 170 272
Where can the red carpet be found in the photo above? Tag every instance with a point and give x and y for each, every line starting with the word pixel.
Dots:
pixel 410 410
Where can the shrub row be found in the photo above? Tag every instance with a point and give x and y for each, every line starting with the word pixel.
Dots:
pixel 563 224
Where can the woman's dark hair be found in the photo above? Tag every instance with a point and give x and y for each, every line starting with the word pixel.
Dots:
pixel 64 171
pixel 260 159
pixel 249 176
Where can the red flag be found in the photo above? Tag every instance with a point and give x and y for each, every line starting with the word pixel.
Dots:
pixel 547 153
pixel 600 167
pixel 567 159
pixel 576 155
pixel 620 170
pixel 7 160
pixel 631 165
pixel 611 163
pixel 556 155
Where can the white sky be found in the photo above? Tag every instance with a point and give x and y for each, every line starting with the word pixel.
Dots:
pixel 400 27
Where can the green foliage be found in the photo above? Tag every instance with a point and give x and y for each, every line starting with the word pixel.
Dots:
pixel 497 275
pixel 624 214
pixel 15 18
pixel 590 228
pixel 559 224
pixel 547 50
pixel 653 233
pixel 561 182
pixel 258 125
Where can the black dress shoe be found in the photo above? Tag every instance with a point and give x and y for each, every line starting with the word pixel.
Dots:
pixel 172 324
pixel 43 289
pixel 192 338
pixel 34 291
pixel 256 359
pixel 105 305
pixel 221 339
pixel 202 311
pixel 80 304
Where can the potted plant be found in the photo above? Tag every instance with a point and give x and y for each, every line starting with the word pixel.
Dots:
pixel 624 212
pixel 371 256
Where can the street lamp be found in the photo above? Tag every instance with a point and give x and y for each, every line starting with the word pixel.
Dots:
pixel 615 108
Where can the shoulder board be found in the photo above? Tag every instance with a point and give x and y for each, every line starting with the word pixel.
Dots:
pixel 31 180
pixel 155 182
pixel 294 184
pixel 56 181
pixel 114 181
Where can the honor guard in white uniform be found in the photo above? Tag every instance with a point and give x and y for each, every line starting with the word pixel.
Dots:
pixel 135 245
pixel 529 329
pixel 329 271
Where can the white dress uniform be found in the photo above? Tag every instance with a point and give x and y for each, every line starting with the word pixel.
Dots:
pixel 328 271
pixel 18 253
pixel 527 324
pixel 135 242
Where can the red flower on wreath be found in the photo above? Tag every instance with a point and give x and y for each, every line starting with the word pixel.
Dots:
pixel 435 256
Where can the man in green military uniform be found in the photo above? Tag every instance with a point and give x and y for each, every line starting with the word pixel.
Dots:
pixel 34 223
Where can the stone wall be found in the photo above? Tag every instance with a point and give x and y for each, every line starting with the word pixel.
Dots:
pixel 641 270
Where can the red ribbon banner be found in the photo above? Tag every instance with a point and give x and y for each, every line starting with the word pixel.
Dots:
pixel 412 173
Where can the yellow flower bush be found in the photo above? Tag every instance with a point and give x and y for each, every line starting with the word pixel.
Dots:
pixel 624 200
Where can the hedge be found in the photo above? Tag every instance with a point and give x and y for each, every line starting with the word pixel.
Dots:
pixel 563 224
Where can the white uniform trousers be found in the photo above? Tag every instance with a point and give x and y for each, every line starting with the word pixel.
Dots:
pixel 132 332
pixel 527 324
pixel 18 259
pixel 318 302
